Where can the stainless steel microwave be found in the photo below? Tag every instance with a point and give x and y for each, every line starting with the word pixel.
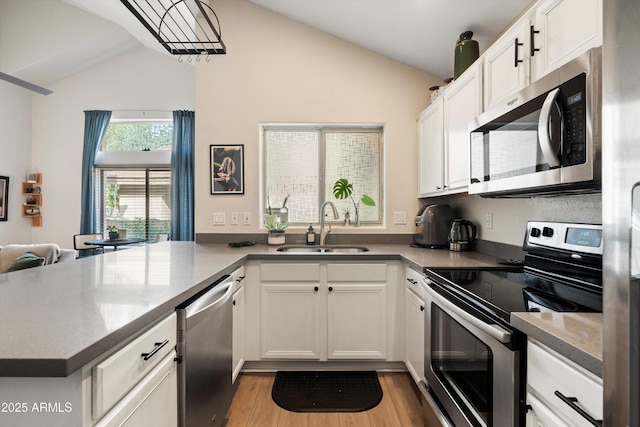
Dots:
pixel 543 140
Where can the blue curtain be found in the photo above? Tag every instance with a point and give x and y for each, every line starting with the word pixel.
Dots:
pixel 182 177
pixel 95 127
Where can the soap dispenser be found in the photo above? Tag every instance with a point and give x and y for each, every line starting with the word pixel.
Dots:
pixel 311 236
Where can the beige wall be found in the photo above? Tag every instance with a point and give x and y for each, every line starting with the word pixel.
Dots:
pixel 141 79
pixel 15 158
pixel 277 70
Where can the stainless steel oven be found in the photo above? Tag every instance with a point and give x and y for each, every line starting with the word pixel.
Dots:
pixel 473 363
pixel 474 359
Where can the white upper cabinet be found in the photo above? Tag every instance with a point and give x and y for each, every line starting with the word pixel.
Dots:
pixel 463 102
pixel 431 149
pixel 444 136
pixel 506 64
pixel 566 29
pixel 549 35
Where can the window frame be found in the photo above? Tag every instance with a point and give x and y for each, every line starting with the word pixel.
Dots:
pixel 100 178
pixel 156 160
pixel 322 129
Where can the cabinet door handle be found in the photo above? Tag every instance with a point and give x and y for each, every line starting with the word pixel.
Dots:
pixel 330 288
pixel 158 346
pixel 240 279
pixel 571 401
pixel 532 44
pixel 234 302
pixel 410 280
pixel 422 308
pixel 315 289
pixel 516 60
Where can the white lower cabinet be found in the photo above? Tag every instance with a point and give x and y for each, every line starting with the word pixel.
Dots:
pixel 238 333
pixel 560 392
pixel 414 325
pixel 138 384
pixel 237 352
pixel 357 311
pixel 291 319
pixel 153 401
pixel 321 311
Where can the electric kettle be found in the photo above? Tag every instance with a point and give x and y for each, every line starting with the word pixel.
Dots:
pixel 462 235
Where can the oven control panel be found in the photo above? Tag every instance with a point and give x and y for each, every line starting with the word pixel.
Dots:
pixel 572 237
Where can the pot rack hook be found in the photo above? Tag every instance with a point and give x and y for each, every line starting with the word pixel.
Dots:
pixel 189 59
pixel 180 58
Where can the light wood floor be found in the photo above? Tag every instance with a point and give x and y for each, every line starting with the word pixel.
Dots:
pixel 253 406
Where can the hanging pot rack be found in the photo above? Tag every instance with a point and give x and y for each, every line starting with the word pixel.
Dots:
pixel 183 27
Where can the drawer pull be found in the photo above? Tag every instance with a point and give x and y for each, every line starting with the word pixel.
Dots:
pixel 158 346
pixel 571 401
pixel 410 280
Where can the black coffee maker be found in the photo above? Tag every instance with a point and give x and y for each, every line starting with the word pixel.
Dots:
pixel 433 224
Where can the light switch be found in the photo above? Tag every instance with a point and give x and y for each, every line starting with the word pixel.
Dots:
pixel 400 218
pixel 219 218
pixel 235 218
pixel 246 218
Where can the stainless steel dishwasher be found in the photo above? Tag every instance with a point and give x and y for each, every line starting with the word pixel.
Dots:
pixel 204 354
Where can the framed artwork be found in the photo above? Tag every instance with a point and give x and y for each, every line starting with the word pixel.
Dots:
pixel 227 169
pixel 4 197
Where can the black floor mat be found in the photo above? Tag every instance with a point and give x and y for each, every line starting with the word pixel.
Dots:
pixel 339 391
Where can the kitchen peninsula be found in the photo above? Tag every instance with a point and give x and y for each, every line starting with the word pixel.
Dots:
pixel 58 318
pixel 59 321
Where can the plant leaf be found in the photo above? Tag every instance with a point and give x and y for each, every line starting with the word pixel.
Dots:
pixel 368 200
pixel 342 189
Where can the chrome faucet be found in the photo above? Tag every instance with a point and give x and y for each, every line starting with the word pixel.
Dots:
pixel 323 234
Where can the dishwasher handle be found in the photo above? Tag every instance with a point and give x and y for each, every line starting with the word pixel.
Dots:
pixel 211 299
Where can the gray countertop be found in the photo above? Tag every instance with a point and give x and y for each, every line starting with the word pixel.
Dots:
pixel 57 318
pixel 577 336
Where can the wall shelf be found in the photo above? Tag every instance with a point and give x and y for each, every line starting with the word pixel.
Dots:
pixel 33 201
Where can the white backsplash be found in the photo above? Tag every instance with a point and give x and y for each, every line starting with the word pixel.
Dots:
pixel 510 216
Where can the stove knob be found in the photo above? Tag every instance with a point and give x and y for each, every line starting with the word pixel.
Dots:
pixel 535 232
pixel 547 232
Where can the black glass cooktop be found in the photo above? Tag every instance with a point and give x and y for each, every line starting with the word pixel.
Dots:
pixel 503 292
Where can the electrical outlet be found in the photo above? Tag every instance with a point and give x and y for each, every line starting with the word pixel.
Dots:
pixel 235 218
pixel 219 218
pixel 400 218
pixel 488 220
pixel 246 218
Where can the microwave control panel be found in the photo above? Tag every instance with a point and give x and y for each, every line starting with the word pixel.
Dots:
pixel 575 121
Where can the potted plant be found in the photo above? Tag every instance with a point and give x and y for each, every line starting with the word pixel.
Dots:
pixel 342 189
pixel 276 229
pixel 113 232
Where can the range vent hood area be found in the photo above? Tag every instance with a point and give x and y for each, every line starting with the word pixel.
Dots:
pixel 183 27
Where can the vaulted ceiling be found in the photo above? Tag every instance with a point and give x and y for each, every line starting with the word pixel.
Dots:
pixel 420 33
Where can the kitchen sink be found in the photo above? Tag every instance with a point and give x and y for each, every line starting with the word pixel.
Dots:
pixel 300 249
pixel 347 249
pixel 322 249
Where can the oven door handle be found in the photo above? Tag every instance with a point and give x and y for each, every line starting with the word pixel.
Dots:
pixel 495 331
pixel 543 129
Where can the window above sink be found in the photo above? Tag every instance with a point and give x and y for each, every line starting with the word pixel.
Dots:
pixel 302 163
